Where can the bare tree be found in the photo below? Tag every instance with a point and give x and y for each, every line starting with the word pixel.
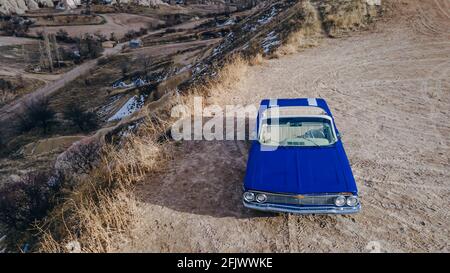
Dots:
pixel 42 59
pixel 90 47
pixel 48 51
pixel 39 114
pixel 56 49
pixel 88 7
pixel 146 63
pixel 84 120
pixel 124 68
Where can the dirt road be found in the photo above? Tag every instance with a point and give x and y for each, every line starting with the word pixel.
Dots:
pixel 8 111
pixel 389 90
pixel 117 23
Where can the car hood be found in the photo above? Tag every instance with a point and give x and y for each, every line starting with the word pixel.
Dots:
pixel 299 170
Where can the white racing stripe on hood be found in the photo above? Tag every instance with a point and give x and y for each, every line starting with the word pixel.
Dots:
pixel 312 102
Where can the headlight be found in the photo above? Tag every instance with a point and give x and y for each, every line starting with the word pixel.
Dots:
pixel 340 201
pixel 249 196
pixel 352 201
pixel 261 198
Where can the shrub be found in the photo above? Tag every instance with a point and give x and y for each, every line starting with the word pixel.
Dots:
pixel 100 36
pixel 142 31
pixel 6 85
pixel 85 121
pixel 2 143
pixel 170 30
pixel 16 26
pixel 131 34
pixel 25 201
pixel 90 47
pixel 124 68
pixel 113 37
pixel 37 114
pixel 63 36
pixel 83 158
pixel 102 61
pixel 146 63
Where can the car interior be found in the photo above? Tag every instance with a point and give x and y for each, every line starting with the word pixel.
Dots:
pixel 297 132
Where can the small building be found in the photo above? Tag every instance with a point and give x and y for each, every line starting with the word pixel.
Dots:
pixel 108 44
pixel 75 54
pixel 135 43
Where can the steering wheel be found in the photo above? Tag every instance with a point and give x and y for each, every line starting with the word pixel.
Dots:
pixel 314 134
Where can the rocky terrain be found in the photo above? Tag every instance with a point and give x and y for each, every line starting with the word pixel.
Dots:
pixel 21 6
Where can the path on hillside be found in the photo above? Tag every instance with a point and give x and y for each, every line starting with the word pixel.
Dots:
pixel 389 90
pixel 8 111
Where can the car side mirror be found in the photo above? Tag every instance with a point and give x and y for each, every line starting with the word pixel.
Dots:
pixel 339 136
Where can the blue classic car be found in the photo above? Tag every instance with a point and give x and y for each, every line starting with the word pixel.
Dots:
pixel 297 164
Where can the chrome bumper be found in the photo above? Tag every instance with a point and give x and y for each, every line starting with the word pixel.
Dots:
pixel 302 209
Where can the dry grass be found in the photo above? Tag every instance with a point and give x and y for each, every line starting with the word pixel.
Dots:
pixel 258 59
pixel 140 154
pixel 102 207
pixel 336 17
pixel 307 36
pixel 97 218
pixel 227 78
pixel 6 96
pixel 229 75
pixel 346 15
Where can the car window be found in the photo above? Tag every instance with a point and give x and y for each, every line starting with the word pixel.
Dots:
pixel 304 131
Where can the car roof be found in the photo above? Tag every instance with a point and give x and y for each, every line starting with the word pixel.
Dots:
pixel 293 111
pixel 307 102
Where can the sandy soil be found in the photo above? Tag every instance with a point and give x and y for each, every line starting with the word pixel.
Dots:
pixel 389 91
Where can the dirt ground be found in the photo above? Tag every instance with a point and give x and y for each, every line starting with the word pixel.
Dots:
pixel 119 23
pixel 389 91
pixel 16 53
pixel 8 40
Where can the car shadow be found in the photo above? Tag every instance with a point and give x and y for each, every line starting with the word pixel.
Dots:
pixel 204 178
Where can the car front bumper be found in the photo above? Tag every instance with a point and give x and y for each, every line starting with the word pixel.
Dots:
pixel 302 209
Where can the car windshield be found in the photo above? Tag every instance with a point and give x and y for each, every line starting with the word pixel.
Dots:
pixel 297 131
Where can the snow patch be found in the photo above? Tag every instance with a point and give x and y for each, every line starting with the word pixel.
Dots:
pixel 268 17
pixel 132 105
pixel 229 22
pixel 272 40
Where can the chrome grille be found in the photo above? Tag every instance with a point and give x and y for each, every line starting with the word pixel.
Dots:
pixel 301 200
